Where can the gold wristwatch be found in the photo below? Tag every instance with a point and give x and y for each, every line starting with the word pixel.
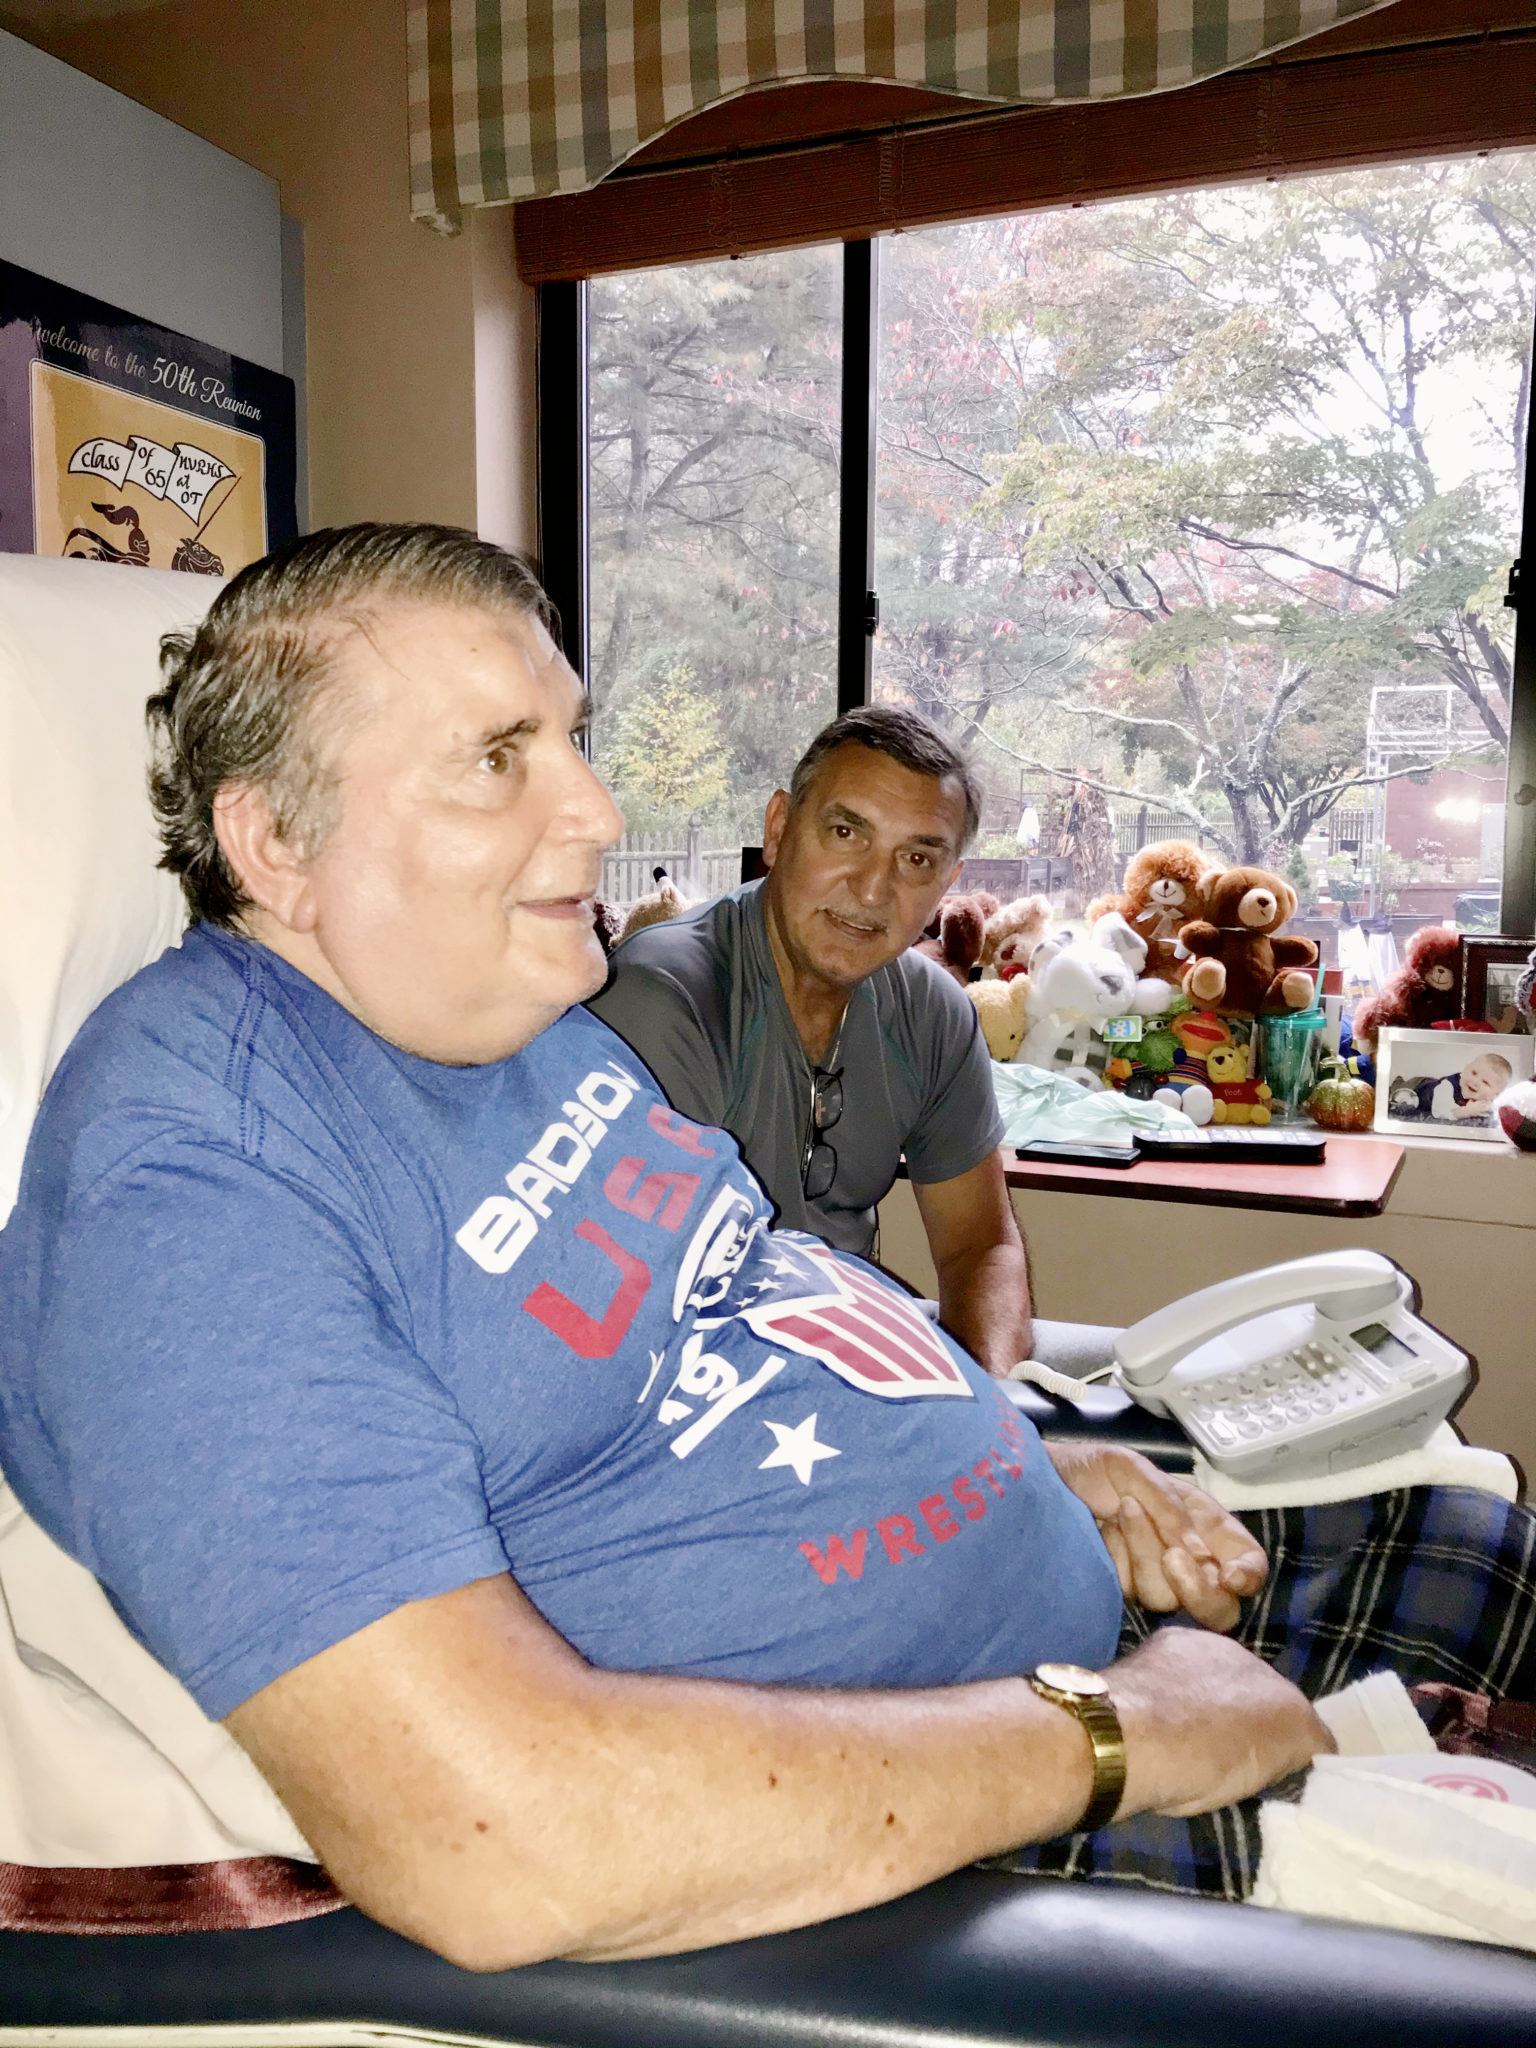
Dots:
pixel 1086 1694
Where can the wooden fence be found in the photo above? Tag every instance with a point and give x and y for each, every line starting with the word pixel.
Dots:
pixel 1146 825
pixel 699 871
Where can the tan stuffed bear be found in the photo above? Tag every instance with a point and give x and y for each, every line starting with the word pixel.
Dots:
pixel 1163 891
pixel 663 903
pixel 1000 1006
pixel 1013 934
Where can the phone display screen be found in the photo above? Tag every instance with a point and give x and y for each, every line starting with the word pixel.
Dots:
pixel 1380 1342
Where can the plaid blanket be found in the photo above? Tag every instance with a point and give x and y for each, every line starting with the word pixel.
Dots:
pixel 1434 1583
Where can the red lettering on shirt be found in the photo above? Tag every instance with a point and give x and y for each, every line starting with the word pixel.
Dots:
pixel 941 1523
pixel 849 1557
pixel 588 1337
pixel 984 1470
pixel 670 1192
pixel 968 1497
pixel 677 1130
pixel 899 1535
pixel 1014 1471
pixel 1008 1419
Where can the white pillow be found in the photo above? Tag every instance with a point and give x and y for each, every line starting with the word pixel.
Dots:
pixel 82 905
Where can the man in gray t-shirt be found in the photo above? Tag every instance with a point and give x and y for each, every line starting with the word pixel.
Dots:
pixel 792 1013
pixel 700 1001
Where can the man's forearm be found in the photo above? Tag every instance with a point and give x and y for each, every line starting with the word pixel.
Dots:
pixel 538 1807
pixel 514 1804
pixel 980 1259
pixel 984 1304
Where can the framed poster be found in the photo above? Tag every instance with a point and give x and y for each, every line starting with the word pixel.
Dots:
pixel 123 442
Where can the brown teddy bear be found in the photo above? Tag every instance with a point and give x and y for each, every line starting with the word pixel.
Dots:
pixel 962 932
pixel 1013 932
pixel 1240 968
pixel 1162 893
pixel 1421 993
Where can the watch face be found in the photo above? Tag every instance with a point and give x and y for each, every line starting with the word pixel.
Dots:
pixel 1073 1678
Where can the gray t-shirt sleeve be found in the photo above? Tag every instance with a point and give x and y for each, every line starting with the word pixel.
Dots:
pixel 658 1020
pixel 959 1124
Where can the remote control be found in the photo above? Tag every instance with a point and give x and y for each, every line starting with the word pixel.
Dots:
pixel 1246 1145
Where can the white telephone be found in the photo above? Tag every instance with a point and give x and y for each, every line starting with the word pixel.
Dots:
pixel 1318 1365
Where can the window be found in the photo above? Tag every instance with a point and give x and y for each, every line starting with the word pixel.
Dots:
pixel 1196 514
pixel 1193 514
pixel 715 391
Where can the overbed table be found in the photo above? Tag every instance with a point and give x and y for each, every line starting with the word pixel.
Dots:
pixel 1356 1178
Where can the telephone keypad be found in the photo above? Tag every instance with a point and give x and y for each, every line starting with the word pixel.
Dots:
pixel 1311 1382
pixel 1296 1392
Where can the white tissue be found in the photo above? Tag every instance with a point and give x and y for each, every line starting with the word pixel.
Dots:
pixel 1367 1844
pixel 1375 1717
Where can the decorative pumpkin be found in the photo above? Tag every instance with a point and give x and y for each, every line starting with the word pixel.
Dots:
pixel 1341 1101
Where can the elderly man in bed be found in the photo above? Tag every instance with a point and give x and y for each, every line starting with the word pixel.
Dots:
pixel 592 1569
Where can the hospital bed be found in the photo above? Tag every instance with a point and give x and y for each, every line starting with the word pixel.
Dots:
pixel 979 1957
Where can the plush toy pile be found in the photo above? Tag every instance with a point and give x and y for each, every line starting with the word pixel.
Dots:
pixel 1156 991
pixel 1076 985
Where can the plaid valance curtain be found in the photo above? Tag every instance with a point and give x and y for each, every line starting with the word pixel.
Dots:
pixel 513 101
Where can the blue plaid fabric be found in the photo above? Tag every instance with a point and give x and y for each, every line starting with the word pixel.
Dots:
pixel 1431 1582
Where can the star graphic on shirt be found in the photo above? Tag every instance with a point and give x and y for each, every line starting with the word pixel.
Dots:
pixel 796 1448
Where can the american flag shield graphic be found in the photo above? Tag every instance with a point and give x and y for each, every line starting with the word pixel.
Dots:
pixel 804 1298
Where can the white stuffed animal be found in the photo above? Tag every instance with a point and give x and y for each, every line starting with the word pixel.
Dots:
pixel 1152 995
pixel 1074 985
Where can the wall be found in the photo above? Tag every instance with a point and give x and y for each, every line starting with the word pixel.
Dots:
pixel 315 96
pixel 1461 1220
pixel 109 200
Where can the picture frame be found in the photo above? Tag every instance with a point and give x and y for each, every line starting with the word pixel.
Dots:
pixel 125 442
pixel 1422 1087
pixel 1490 967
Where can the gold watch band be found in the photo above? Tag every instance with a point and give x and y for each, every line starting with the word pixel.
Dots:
pixel 1096 1712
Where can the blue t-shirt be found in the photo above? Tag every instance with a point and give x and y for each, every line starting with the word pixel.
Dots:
pixel 296 1327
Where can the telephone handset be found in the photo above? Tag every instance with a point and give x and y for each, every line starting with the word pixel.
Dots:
pixel 1318 1365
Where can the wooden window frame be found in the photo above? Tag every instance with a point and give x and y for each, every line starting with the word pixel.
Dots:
pixel 1468 86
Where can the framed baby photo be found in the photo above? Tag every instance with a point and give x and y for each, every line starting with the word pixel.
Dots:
pixel 1490 969
pixel 1441 1084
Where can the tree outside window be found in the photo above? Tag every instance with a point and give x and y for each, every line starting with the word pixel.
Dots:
pixel 1208 502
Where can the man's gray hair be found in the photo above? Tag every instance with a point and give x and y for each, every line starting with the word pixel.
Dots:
pixel 242 696
pixel 906 738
